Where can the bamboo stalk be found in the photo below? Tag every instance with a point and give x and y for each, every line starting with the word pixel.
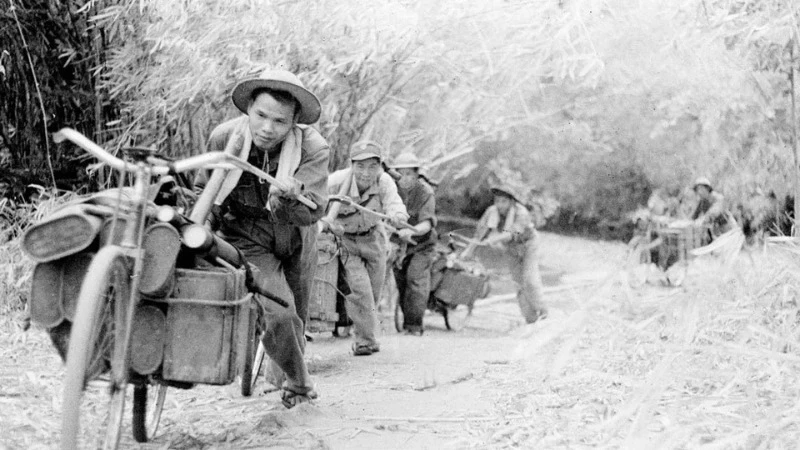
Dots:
pixel 794 139
pixel 96 39
pixel 13 10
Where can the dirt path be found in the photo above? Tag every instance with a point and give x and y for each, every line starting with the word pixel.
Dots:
pixel 442 390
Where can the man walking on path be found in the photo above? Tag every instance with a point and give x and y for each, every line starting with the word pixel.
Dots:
pixel 412 271
pixel 363 253
pixel 710 209
pixel 507 223
pixel 269 225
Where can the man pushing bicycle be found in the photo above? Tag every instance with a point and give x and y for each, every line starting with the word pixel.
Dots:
pixel 268 224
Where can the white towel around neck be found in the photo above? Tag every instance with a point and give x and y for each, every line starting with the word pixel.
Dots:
pixel 240 143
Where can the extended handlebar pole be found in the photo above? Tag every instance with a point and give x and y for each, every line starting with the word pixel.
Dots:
pixel 244 165
pixel 223 160
pixel 96 151
pixel 349 201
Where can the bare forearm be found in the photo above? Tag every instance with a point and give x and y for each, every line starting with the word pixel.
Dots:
pixel 499 238
pixel 422 227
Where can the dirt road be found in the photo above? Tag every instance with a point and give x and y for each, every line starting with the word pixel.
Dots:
pixel 436 391
pixel 611 367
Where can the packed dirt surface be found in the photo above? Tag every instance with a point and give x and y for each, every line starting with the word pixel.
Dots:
pixel 584 377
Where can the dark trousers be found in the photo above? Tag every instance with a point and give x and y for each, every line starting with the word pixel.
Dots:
pixel 413 278
pixel 286 257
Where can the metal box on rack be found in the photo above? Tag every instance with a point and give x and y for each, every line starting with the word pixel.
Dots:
pixel 460 285
pixel 679 240
pixel 322 302
pixel 207 319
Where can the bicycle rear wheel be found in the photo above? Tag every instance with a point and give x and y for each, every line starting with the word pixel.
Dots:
pixel 147 406
pixel 258 363
pixel 96 348
pixel 456 316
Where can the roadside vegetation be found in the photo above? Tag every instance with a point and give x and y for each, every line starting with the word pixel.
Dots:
pixel 594 103
pixel 712 365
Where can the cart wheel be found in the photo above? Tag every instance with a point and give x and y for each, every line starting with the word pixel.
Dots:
pixel 456 316
pixel 251 365
pixel 101 326
pixel 145 422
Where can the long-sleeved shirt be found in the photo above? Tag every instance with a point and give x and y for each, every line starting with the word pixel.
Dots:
pixel 381 197
pixel 250 195
pixel 712 207
pixel 420 202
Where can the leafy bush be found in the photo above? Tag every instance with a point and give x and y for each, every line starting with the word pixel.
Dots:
pixel 645 94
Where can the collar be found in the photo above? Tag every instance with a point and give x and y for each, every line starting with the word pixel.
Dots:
pixel 372 190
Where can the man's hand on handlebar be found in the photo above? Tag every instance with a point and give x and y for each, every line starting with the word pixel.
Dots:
pixel 331 226
pixel 293 189
pixel 406 233
pixel 399 221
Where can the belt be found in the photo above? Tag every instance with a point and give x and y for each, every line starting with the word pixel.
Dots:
pixel 361 233
pixel 249 212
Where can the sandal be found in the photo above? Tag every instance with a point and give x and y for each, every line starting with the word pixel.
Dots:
pixel 365 349
pixel 539 315
pixel 290 399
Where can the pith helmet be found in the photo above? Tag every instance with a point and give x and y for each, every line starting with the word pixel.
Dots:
pixel 406 160
pixel 508 191
pixel 702 181
pixel 279 80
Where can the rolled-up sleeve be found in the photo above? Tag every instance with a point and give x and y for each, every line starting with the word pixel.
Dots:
pixel 216 143
pixel 313 173
pixel 717 206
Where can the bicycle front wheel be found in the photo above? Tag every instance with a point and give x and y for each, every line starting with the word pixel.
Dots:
pixel 97 368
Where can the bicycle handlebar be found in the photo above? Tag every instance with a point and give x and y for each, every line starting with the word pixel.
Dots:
pixel 161 167
pixel 350 202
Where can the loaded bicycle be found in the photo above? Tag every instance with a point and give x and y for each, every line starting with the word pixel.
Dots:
pixel 136 293
pixel 457 281
pixel 666 244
